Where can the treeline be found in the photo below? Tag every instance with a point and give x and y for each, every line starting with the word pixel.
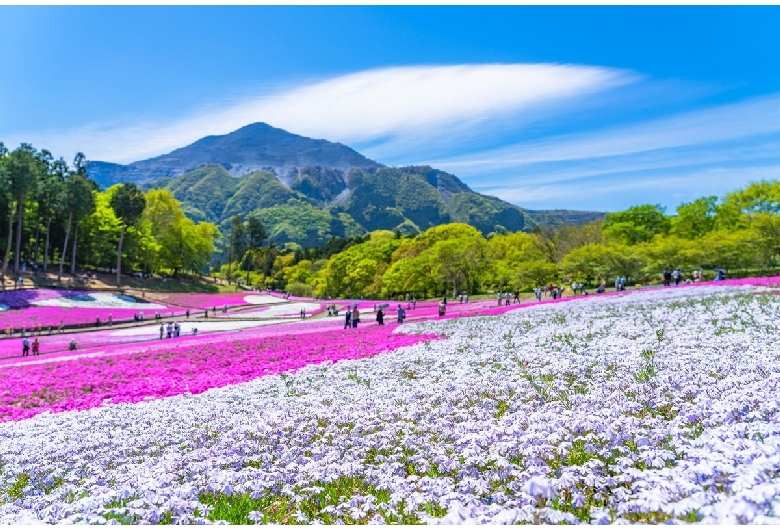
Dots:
pixel 53 216
pixel 739 232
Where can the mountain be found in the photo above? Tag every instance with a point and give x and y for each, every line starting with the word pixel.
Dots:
pixel 323 202
pixel 560 217
pixel 306 190
pixel 254 147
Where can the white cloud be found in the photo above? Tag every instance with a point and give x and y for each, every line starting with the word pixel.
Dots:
pixel 670 188
pixel 388 104
pixel 718 154
pixel 736 121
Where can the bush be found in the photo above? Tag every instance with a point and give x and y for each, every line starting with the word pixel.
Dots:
pixel 300 289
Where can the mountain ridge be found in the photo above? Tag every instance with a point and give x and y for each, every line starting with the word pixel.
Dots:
pixel 257 146
pixel 307 190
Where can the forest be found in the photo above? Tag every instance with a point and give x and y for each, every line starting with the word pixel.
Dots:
pixel 55 219
pixel 739 233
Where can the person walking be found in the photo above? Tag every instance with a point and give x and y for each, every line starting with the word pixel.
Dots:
pixel 348 318
pixel 414 302
pixel 25 347
pixel 168 330
pixel 36 346
pixel 517 296
pixel 677 275
pixel 500 296
pixel 380 316
pixel 162 330
pixel 355 317
pixel 401 314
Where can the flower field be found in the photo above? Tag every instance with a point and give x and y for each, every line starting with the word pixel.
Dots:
pixel 207 301
pixel 31 308
pixel 651 406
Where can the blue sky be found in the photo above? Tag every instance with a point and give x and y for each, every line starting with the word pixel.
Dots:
pixel 546 107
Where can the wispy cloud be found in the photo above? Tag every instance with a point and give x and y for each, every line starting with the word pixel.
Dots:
pixel 723 123
pixel 669 188
pixel 390 107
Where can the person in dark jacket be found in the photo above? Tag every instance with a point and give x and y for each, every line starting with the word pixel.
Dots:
pixel 380 317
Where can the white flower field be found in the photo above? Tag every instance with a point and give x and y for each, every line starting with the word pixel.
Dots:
pixel 656 406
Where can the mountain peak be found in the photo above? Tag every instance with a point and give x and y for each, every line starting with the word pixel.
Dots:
pixel 257 146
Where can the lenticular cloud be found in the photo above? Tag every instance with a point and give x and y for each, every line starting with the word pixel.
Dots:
pixel 658 406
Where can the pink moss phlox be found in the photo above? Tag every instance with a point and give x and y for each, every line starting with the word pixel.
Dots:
pixel 32 389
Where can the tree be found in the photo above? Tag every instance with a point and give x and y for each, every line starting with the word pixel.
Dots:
pixel 767 227
pixel 5 200
pixel 128 203
pixel 22 169
pixel 237 242
pixel 45 159
pixel 79 202
pixel 636 224
pixel 536 273
pixel 695 219
pixel 255 237
pixel 183 244
pixel 86 204
pixel 51 195
pixel 602 261
pixel 758 197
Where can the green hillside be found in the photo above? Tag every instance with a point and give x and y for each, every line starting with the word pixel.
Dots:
pixel 325 202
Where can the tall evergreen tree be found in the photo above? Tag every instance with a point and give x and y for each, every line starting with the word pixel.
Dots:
pixel 79 201
pixel 51 198
pixel 255 237
pixel 22 169
pixel 128 203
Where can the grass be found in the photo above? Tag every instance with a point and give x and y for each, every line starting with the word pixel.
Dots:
pixel 275 507
pixel 182 284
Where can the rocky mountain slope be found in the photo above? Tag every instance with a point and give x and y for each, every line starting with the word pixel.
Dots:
pixel 324 202
pixel 254 147
pixel 307 190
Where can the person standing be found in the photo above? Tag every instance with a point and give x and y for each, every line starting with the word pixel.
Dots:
pixel 36 346
pixel 25 347
pixel 414 302
pixel 401 314
pixel 677 275
pixel 380 316
pixel 162 330
pixel 517 296
pixel 355 317
pixel 499 298
pixel 348 318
